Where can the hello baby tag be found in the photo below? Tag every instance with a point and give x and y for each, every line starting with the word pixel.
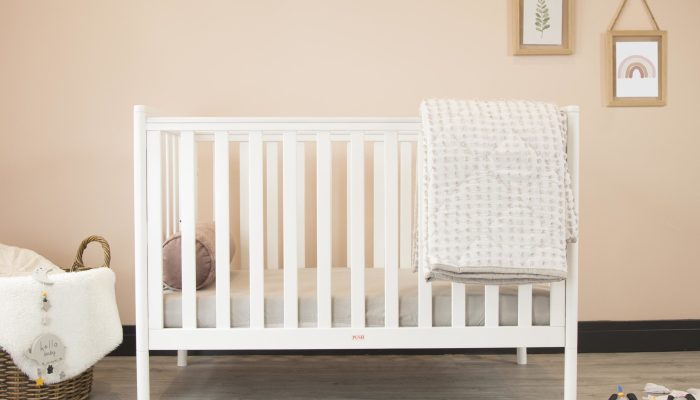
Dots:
pixel 48 351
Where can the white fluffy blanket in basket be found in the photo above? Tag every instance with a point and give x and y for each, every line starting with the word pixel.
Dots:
pixel 83 312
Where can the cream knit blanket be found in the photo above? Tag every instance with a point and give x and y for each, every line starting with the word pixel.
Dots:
pixel 495 204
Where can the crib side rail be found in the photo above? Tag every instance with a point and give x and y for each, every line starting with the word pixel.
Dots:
pixel 166 147
pixel 140 253
pixel 572 281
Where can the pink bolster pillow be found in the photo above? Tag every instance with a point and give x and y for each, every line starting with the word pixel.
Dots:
pixel 205 254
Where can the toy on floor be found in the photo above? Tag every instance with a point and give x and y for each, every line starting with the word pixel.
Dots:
pixel 674 395
pixel 658 392
pixel 620 395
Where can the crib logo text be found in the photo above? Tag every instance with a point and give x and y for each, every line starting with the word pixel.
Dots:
pixel 358 337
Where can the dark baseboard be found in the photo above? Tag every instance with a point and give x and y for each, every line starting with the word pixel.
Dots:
pixel 593 337
pixel 639 336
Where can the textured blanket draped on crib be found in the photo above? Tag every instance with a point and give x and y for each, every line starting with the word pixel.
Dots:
pixel 495 204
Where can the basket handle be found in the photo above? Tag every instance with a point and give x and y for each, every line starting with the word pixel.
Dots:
pixel 78 264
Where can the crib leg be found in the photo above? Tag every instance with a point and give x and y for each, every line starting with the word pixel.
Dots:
pixel 182 358
pixel 143 390
pixel 570 372
pixel 522 355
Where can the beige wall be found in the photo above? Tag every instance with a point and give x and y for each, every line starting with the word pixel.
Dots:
pixel 70 72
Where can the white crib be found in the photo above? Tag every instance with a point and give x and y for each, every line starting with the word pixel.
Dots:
pixel 165 201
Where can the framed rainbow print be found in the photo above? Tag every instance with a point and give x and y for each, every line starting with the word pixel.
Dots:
pixel 542 27
pixel 636 68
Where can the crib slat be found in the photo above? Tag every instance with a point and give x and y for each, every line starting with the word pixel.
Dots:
pixel 356 175
pixel 243 202
pixel 272 206
pixel 458 305
pixel 425 289
pixel 390 228
pixel 348 211
pixel 221 217
pixel 255 230
pixel 301 205
pixel 406 232
pixel 155 230
pixel 525 305
pixel 323 230
pixel 378 208
pixel 425 302
pixel 175 176
pixel 491 299
pixel 524 317
pixel 557 303
pixel 167 185
pixel 289 211
pixel 188 192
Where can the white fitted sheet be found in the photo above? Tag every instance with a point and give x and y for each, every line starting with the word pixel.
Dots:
pixel 340 287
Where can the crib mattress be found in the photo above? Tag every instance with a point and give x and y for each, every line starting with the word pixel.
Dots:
pixel 340 288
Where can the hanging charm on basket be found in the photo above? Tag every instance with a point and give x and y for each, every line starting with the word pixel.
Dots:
pixel 41 275
pixel 47 350
pixel 45 305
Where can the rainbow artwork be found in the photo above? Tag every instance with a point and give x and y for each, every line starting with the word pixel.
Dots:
pixel 636 66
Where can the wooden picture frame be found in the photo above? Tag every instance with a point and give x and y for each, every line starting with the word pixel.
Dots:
pixel 636 80
pixel 531 15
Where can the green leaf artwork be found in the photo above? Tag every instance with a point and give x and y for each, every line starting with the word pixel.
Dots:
pixel 542 17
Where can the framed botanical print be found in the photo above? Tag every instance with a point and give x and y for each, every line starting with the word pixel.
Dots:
pixel 636 68
pixel 542 27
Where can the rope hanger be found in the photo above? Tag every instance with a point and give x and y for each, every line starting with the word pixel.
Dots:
pixel 622 6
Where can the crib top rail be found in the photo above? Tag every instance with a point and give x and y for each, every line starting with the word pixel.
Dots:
pixel 272 124
pixel 333 125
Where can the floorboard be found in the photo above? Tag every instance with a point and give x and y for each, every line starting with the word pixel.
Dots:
pixel 394 377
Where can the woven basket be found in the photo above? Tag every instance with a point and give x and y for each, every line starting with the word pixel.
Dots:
pixel 15 385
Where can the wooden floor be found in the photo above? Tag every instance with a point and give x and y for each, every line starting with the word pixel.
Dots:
pixel 394 377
